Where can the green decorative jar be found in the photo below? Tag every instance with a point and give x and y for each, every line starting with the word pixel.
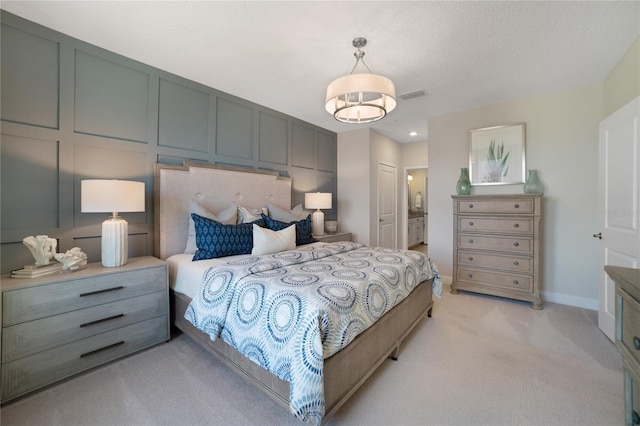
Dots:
pixel 533 184
pixel 463 187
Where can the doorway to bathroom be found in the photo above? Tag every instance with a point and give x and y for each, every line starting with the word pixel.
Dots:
pixel 417 208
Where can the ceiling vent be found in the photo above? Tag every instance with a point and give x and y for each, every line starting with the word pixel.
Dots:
pixel 412 95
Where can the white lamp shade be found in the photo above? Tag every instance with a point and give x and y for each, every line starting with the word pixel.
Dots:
pixel 102 196
pixel 317 200
pixel 360 98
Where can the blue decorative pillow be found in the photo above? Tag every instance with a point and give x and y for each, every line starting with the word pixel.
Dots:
pixel 213 239
pixel 303 228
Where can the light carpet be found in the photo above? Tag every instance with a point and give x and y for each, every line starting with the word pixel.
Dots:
pixel 479 360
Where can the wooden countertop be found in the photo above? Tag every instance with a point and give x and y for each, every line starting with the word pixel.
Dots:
pixel 627 278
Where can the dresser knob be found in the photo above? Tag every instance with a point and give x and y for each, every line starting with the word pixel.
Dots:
pixel 470 206
pixel 470 241
pixel 636 343
pixel 470 223
pixel 515 282
pixel 635 418
pixel 470 258
pixel 470 275
pixel 516 225
pixel 516 263
pixel 517 206
pixel 516 244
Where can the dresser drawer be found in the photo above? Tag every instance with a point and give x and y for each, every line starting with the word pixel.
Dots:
pixel 496 261
pixel 523 283
pixel 520 245
pixel 511 206
pixel 629 324
pixel 35 336
pixel 496 224
pixel 25 374
pixel 633 403
pixel 27 304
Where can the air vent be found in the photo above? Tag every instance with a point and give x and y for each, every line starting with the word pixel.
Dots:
pixel 412 95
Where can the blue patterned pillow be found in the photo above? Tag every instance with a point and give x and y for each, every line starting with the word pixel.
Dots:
pixel 303 228
pixel 214 239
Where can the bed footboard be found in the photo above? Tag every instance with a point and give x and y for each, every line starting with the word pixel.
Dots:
pixel 345 371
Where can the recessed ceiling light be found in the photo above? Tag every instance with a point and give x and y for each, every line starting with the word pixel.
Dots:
pixel 413 133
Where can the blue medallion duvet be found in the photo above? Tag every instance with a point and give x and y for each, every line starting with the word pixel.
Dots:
pixel 288 311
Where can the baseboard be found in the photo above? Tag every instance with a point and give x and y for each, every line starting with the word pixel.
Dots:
pixel 564 299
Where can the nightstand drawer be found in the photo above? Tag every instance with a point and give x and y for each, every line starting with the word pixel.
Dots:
pixel 35 336
pixel 629 323
pixel 46 367
pixel 522 283
pixel 516 245
pixel 496 261
pixel 27 304
pixel 501 225
pixel 512 206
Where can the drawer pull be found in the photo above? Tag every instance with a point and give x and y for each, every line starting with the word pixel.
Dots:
pixel 470 275
pixel 470 223
pixel 470 206
pixel 516 263
pixel 470 259
pixel 106 290
pixel 636 343
pixel 516 206
pixel 515 282
pixel 470 241
pixel 102 349
pixel 516 244
pixel 87 324
pixel 517 225
pixel 636 418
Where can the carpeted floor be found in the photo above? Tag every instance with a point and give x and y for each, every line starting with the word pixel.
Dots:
pixel 479 360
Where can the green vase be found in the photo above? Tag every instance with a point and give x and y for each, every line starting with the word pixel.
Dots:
pixel 463 187
pixel 533 184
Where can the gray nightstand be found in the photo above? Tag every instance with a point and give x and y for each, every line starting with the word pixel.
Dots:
pixel 61 324
pixel 332 238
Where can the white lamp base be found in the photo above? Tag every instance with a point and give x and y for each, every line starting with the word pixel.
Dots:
pixel 317 223
pixel 115 243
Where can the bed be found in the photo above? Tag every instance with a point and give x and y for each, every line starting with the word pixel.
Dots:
pixel 342 373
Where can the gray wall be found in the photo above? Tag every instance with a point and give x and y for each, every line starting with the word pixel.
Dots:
pixel 72 111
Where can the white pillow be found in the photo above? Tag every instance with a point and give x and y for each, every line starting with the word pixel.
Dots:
pixel 282 215
pixel 228 216
pixel 246 215
pixel 266 241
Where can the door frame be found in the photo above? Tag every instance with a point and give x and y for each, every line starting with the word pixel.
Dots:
pixel 404 222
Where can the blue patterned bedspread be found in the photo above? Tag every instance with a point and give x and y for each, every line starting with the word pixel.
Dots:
pixel 288 311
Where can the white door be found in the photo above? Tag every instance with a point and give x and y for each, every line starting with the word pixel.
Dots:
pixel 387 205
pixel 618 205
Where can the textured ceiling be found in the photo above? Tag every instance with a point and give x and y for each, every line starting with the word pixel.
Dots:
pixel 283 54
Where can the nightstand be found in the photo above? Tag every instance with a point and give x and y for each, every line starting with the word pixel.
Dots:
pixel 332 238
pixel 61 324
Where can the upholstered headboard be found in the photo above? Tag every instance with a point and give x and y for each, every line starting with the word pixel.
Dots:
pixel 215 188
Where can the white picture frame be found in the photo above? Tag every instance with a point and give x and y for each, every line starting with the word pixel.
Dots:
pixel 497 155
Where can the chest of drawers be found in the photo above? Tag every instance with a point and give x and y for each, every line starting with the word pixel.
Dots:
pixel 628 335
pixel 496 245
pixel 61 324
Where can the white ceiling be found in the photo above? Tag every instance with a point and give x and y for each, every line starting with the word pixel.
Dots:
pixel 283 54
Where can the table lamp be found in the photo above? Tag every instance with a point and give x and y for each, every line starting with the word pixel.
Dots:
pixel 317 200
pixel 103 196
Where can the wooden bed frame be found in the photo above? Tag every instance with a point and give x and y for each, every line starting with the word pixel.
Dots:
pixel 215 187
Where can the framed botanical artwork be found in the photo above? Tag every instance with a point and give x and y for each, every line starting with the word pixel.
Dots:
pixel 496 155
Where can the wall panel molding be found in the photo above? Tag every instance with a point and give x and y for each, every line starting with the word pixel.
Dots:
pixel 96 114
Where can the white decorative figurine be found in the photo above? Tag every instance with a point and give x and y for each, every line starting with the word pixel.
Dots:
pixel 72 260
pixel 42 248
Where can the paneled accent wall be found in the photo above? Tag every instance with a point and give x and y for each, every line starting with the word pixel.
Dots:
pixel 71 111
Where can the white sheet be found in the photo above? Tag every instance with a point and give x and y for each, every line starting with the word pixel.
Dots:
pixel 185 275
